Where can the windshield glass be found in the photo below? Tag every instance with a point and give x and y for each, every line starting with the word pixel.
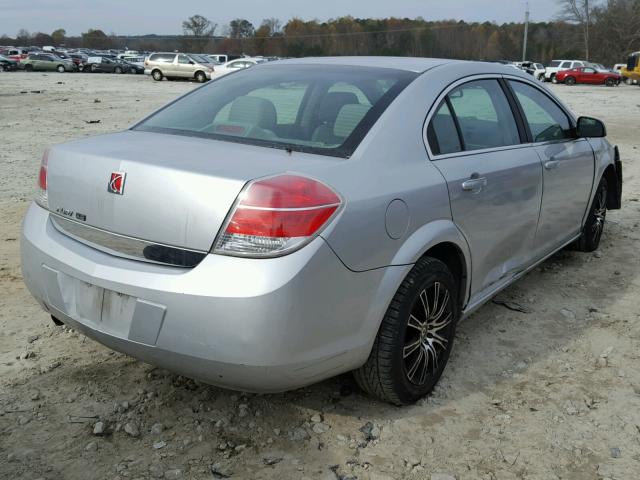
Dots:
pixel 312 108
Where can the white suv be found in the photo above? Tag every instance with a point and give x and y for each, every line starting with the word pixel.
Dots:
pixel 558 65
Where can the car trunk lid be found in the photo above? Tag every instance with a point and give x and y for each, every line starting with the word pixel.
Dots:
pixel 174 190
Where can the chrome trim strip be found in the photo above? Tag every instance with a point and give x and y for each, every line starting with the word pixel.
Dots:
pixel 127 247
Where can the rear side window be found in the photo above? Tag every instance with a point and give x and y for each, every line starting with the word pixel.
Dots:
pixel 311 108
pixel 545 118
pixel 442 132
pixel 484 115
pixel 162 57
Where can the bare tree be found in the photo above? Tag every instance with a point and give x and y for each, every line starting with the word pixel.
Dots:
pixel 201 29
pixel 273 24
pixel 579 12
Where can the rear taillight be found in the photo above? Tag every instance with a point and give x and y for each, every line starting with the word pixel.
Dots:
pixel 42 197
pixel 277 215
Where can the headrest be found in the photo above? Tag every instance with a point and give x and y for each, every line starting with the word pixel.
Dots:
pixel 348 118
pixel 255 111
pixel 332 103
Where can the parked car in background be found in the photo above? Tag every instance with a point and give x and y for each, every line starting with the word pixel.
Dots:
pixel 47 62
pixel 17 54
pixel 105 65
pixel 134 59
pixel 179 65
pixel 134 68
pixel 618 67
pixel 8 64
pixel 236 65
pixel 220 58
pixel 558 65
pixel 304 218
pixel 588 75
pixel 79 59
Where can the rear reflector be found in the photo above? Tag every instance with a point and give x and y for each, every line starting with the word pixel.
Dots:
pixel 276 216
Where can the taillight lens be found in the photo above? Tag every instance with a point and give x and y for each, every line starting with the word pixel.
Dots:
pixel 42 197
pixel 277 215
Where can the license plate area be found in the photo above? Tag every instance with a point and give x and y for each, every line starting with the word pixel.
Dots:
pixel 105 310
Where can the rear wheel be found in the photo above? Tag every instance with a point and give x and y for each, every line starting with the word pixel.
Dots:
pixel 594 226
pixel 415 338
pixel 610 82
pixel 117 70
pixel 157 75
pixel 570 81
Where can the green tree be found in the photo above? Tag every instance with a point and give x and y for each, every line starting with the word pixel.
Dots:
pixel 241 28
pixel 96 39
pixel 59 36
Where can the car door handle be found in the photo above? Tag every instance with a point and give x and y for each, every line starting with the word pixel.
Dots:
pixel 551 164
pixel 474 184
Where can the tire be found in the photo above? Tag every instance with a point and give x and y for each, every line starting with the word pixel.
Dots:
pixel 541 77
pixel 117 70
pixel 80 68
pixel 157 75
pixel 397 370
pixel 61 69
pixel 610 82
pixel 553 78
pixel 28 68
pixel 200 77
pixel 594 226
pixel 569 81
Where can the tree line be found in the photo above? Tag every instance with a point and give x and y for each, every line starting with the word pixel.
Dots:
pixel 604 32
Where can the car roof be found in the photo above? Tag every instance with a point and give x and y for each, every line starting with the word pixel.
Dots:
pixel 411 64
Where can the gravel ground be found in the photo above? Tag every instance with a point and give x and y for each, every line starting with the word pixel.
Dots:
pixel 553 393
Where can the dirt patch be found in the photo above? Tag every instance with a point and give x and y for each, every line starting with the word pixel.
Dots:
pixel 553 393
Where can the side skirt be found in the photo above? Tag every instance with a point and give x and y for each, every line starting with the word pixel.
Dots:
pixel 484 296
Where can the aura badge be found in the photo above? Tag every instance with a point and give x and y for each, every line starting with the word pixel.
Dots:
pixel 116 183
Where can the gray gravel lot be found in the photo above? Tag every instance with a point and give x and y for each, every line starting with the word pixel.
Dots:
pixel 549 394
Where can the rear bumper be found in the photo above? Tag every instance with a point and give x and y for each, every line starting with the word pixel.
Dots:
pixel 246 324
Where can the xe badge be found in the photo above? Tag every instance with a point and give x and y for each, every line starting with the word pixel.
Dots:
pixel 116 183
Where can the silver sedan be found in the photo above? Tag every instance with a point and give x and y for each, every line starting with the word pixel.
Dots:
pixel 304 218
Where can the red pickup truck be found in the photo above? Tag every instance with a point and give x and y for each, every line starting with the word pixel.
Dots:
pixel 588 75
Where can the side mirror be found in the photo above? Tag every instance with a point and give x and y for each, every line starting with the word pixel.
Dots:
pixel 591 128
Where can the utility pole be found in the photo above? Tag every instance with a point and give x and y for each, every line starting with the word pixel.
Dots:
pixel 526 34
pixel 587 16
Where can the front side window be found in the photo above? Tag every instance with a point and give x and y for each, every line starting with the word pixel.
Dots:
pixel 545 118
pixel 183 60
pixel 484 115
pixel 566 65
pixel 312 108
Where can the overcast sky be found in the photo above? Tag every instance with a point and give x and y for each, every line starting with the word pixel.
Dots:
pixel 127 17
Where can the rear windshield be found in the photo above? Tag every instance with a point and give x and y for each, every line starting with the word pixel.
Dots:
pixel 555 63
pixel 309 108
